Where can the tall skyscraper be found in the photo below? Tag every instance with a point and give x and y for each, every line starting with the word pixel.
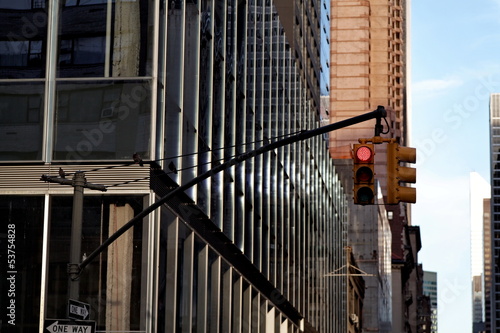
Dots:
pixel 495 210
pixel 143 97
pixel 369 67
pixel 488 264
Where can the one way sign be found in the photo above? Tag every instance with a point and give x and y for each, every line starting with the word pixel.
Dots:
pixel 69 326
pixel 78 310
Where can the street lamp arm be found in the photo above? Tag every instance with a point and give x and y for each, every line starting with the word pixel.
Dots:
pixel 379 113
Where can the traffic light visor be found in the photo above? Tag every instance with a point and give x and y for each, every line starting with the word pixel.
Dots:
pixel 364 154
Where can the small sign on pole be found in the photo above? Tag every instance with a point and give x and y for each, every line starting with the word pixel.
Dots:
pixel 78 310
pixel 65 325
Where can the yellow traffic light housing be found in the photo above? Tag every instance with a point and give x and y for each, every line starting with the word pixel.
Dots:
pixel 364 174
pixel 398 173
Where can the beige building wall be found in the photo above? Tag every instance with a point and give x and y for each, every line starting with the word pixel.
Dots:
pixel 367 69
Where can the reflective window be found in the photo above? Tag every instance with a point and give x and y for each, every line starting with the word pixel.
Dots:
pixel 84 2
pixel 102 120
pixel 21 236
pixel 21 121
pixel 23 42
pixel 114 283
pixel 99 38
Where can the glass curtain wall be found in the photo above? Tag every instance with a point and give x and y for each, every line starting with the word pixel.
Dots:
pixel 76 75
pixel 76 85
pixel 23 57
pixel 113 284
pixel 96 81
pixel 21 240
pixel 107 117
pixel 233 84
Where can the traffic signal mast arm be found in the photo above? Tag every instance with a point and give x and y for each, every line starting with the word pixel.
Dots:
pixel 377 114
pixel 376 140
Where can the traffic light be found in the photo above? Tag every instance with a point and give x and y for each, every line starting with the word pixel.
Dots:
pixel 398 173
pixel 363 170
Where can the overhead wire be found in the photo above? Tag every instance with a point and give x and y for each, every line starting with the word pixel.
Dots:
pixel 192 154
pixel 170 172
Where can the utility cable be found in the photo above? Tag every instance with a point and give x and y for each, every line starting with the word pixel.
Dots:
pixel 173 172
pixel 266 140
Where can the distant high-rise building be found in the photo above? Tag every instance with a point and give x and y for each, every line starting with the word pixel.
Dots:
pixel 325 48
pixel 495 210
pixel 479 191
pixel 477 304
pixel 431 290
pixel 487 280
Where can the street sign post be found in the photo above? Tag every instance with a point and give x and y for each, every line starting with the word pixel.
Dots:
pixel 78 310
pixel 65 325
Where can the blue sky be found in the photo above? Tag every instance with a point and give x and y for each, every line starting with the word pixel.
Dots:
pixel 455 65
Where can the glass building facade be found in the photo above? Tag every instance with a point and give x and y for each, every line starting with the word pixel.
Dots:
pixel 494 287
pixel 186 85
pixel 430 287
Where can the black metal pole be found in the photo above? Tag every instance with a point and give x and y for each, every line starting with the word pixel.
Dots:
pixel 378 113
pixel 79 183
pixel 76 235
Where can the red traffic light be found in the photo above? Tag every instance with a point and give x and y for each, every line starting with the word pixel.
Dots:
pixel 363 173
pixel 364 154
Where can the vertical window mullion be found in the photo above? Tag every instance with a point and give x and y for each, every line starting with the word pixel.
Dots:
pixel 50 89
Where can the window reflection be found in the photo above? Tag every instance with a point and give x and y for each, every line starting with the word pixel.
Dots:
pixel 100 38
pixel 84 2
pixel 82 51
pixel 21 121
pixel 113 283
pixel 102 120
pixel 22 4
pixel 23 42
pixel 20 53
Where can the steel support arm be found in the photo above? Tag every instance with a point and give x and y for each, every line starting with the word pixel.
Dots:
pixel 379 113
